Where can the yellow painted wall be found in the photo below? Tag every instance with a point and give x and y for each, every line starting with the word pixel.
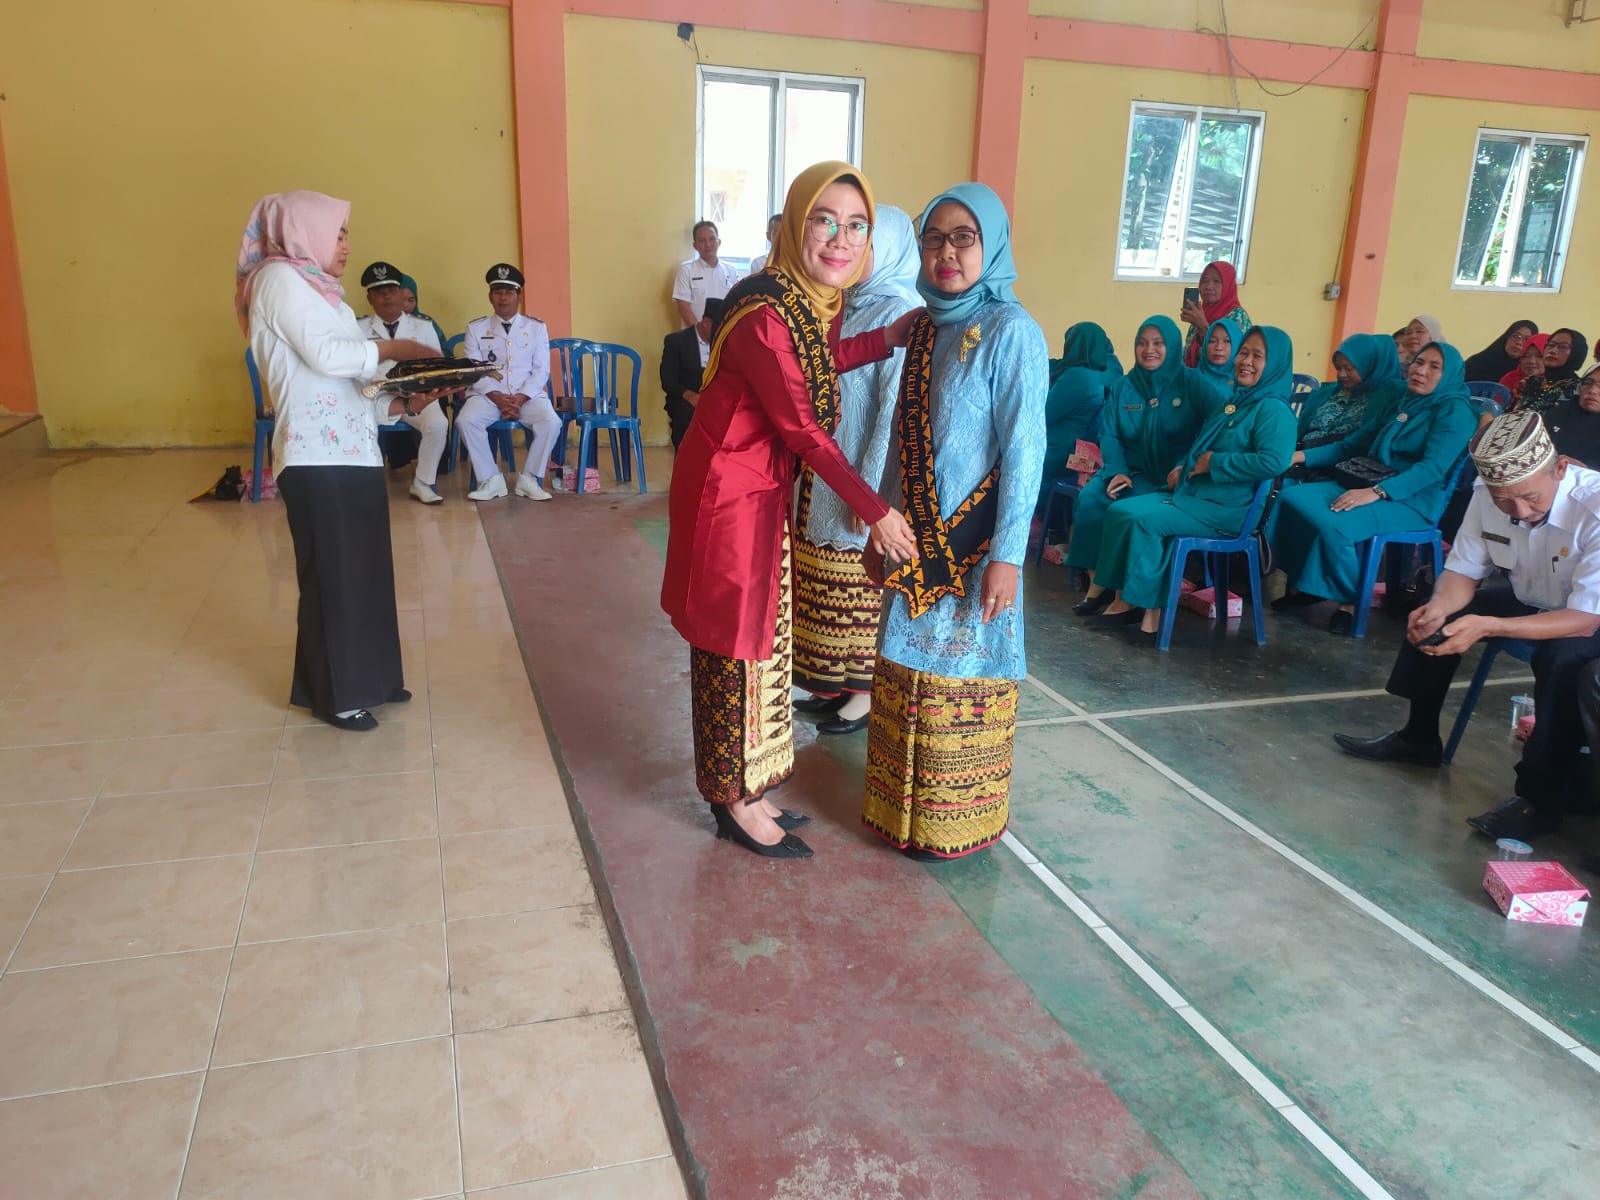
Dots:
pixel 1529 33
pixel 1435 166
pixel 1323 22
pixel 1069 193
pixel 632 185
pixel 138 137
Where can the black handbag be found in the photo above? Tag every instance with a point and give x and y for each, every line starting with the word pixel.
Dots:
pixel 1362 472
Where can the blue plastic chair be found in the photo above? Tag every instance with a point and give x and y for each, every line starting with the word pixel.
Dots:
pixel 566 388
pixel 264 423
pixel 1497 393
pixel 1304 384
pixel 1374 550
pixel 1064 491
pixel 1245 542
pixel 1519 649
pixel 607 359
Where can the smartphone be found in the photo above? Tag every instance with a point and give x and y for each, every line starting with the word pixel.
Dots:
pixel 1436 638
pixel 1117 491
pixel 1191 295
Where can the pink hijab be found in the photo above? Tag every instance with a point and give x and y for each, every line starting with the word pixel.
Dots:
pixel 299 228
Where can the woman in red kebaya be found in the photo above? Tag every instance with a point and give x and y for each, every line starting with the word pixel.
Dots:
pixel 771 393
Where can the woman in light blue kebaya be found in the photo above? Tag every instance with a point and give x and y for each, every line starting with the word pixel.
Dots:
pixel 964 465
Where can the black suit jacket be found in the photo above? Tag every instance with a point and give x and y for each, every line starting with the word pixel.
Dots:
pixel 680 372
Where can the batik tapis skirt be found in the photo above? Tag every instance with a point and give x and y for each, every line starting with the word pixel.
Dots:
pixel 742 714
pixel 836 614
pixel 939 759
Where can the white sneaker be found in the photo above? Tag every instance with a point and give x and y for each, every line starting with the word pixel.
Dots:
pixel 528 486
pixel 426 494
pixel 490 489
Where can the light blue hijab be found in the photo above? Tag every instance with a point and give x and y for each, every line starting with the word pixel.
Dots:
pixel 896 259
pixel 999 272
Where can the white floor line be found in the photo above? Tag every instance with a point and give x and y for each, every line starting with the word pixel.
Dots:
pixel 1455 966
pixel 1083 716
pixel 1276 1098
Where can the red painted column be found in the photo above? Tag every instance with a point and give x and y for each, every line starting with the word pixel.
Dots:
pixel 17 392
pixel 997 131
pixel 539 109
pixel 1366 240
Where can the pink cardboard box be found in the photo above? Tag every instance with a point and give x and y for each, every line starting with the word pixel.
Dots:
pixel 1204 602
pixel 1542 893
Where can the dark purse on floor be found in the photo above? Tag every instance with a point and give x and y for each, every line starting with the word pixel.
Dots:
pixel 1362 472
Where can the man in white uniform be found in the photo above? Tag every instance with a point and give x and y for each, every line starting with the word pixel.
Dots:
pixel 519 346
pixel 1537 517
pixel 703 276
pixel 390 320
pixel 758 264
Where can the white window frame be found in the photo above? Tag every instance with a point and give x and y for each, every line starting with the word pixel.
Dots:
pixel 855 86
pixel 1579 142
pixel 1247 210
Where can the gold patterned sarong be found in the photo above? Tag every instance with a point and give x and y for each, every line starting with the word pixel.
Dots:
pixel 743 721
pixel 836 613
pixel 939 759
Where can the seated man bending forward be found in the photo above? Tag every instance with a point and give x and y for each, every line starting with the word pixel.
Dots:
pixel 1537 517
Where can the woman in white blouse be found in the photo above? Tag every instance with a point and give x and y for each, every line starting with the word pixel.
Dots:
pixel 311 355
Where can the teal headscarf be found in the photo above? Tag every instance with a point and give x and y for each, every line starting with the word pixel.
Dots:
pixel 896 260
pixel 1453 382
pixel 1151 384
pixel 407 282
pixel 1086 345
pixel 1277 377
pixel 1224 371
pixel 999 272
pixel 1375 359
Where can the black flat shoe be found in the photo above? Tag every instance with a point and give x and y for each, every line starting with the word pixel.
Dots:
pixel 840 725
pixel 927 856
pixel 729 830
pixel 1089 605
pixel 1391 747
pixel 1341 622
pixel 358 722
pixel 401 696
pixel 1516 818
pixel 1295 600
pixel 820 705
pixel 790 820
pixel 1130 616
pixel 1142 638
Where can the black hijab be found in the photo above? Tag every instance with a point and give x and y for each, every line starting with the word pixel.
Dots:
pixel 1575 430
pixel 1575 360
pixel 1492 361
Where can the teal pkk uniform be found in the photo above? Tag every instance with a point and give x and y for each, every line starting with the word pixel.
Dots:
pixel 1330 414
pixel 1149 424
pixel 1077 394
pixel 1250 438
pixel 1222 372
pixel 1423 437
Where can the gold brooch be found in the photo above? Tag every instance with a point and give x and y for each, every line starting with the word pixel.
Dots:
pixel 969 340
pixel 1230 410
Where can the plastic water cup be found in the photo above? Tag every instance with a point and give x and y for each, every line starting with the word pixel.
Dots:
pixel 1521 706
pixel 1511 850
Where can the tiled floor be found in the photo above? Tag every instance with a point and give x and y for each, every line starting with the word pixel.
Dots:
pixel 246 955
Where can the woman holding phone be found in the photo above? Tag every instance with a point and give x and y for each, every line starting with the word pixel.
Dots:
pixel 1216 299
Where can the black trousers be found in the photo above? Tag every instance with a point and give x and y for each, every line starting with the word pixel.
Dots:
pixel 679 413
pixel 1552 772
pixel 347 654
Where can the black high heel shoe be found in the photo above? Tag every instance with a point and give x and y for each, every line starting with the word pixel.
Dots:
pixel 1089 605
pixel 790 820
pixel 820 705
pixel 729 830
pixel 1128 616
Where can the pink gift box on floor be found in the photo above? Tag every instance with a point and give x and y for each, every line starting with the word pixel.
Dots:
pixel 1541 893
pixel 1204 602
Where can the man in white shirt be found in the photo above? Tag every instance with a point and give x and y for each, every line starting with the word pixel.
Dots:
pixel 758 264
pixel 1536 517
pixel 389 321
pixel 703 276
pixel 519 346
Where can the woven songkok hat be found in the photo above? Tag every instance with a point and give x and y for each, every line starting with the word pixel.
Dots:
pixel 1511 448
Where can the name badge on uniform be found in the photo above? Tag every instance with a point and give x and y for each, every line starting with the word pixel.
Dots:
pixel 1497 537
pixel 1134 407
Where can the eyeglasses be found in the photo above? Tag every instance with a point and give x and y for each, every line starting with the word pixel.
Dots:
pixel 825 229
pixel 960 239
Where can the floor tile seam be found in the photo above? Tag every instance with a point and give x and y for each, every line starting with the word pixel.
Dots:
pixel 129 737
pixel 1236 1060
pixel 104 1083
pixel 1485 987
pixel 489 1191
pixel 106 962
pixel 449 972
pixel 227 982
pixel 152 862
pixel 55 874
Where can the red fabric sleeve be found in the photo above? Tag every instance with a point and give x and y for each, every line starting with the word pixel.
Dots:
pixel 861 350
pixel 773 370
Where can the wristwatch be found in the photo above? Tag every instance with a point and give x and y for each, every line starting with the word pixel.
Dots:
pixel 1378 488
